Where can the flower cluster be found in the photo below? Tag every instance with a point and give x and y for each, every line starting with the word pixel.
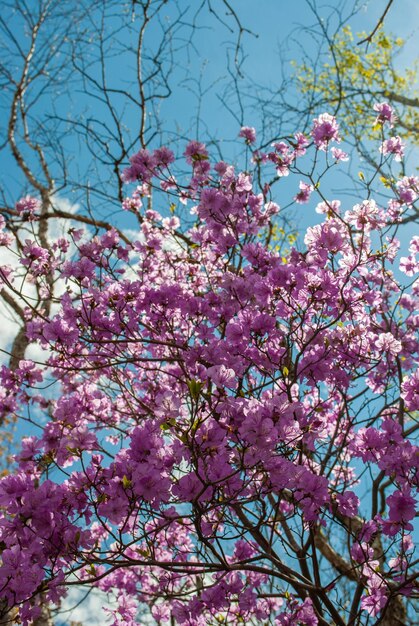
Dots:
pixel 27 207
pixel 219 407
pixel 325 130
pixel 385 115
pixel 394 146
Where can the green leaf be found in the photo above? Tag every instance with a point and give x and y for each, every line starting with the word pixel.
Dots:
pixel 126 483
pixel 167 425
pixel 195 387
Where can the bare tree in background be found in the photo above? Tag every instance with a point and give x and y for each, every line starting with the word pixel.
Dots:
pixel 82 88
pixel 341 72
pixel 85 85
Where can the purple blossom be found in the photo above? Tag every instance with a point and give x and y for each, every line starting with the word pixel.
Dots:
pixel 304 194
pixel 401 507
pixel 163 157
pixel 339 155
pixel 325 129
pixel 36 258
pixel 408 189
pixel 410 391
pixel 394 146
pixel 385 114
pixel 248 133
pixel 195 151
pixel 409 265
pixel 27 207
pixel 348 503
pixel 222 376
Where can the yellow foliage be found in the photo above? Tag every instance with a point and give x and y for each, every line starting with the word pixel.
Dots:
pixel 355 78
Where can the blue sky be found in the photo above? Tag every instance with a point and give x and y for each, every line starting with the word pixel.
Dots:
pixel 275 24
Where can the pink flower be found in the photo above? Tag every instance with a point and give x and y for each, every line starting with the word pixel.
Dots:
pixel 409 265
pixel 142 167
pixel 385 114
pixel 163 157
pixel 195 151
pixel 366 214
pixel 222 376
pixel 348 503
pixel 375 601
pixel 27 207
pixel 243 183
pixel 302 143
pixel 387 343
pixel 36 259
pixel 133 204
pixel 395 146
pixel 5 238
pixel 339 154
pixel 248 133
pixel 408 188
pixel 414 245
pixel 410 391
pixel 325 129
pixel 401 506
pixel 59 330
pixel 306 614
pixel 304 194
pixel 361 552
pixel 329 207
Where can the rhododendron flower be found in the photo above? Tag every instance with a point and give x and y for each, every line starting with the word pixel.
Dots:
pixel 142 167
pixel 387 343
pixel 298 614
pixel 385 114
pixel 409 265
pixel 248 133
pixel 133 204
pixel 325 129
pixel 331 206
pixel 408 188
pixel 375 601
pixel 222 376
pixel 339 154
pixel 168 184
pixel 5 238
pixel 402 507
pixel 410 391
pixel 361 552
pixel 195 151
pixel 36 258
pixel 163 157
pixel 414 245
pixel 305 192
pixel 366 215
pixel 27 207
pixel 301 146
pixel 348 503
pixel 394 146
pixel 271 208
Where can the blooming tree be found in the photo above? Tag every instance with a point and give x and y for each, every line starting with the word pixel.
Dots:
pixel 229 435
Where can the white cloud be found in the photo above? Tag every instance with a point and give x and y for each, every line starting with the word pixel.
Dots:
pixel 87 609
pixel 8 257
